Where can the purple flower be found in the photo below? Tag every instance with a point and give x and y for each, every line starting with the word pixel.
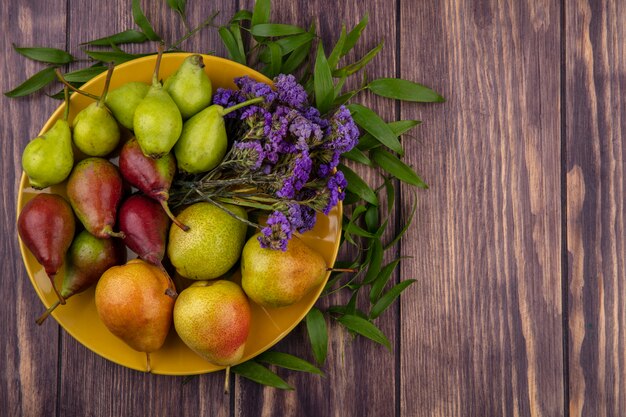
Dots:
pixel 336 186
pixel 251 152
pixel 277 232
pixel 298 177
pixel 252 88
pixel 326 168
pixel 289 91
pixel 343 131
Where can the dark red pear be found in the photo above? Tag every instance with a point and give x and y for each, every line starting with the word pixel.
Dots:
pixel 95 189
pixel 145 225
pixel 46 225
pixel 151 176
pixel 87 259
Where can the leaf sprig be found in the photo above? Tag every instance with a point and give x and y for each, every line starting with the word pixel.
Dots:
pixel 273 48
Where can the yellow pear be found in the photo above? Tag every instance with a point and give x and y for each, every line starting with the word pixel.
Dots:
pixel 273 278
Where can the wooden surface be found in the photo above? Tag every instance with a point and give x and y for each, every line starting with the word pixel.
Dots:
pixel 518 246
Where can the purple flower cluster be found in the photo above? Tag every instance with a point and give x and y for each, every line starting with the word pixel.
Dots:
pixel 293 148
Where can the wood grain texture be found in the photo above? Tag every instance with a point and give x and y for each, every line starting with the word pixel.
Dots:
pixel 595 68
pixel 482 331
pixel 28 353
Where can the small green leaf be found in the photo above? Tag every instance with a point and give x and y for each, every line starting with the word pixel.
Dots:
pixel 361 63
pixel 354 35
pixel 371 219
pixel 259 373
pixel 357 186
pixel 276 60
pixel 235 29
pixel 333 58
pixel 407 223
pixel 365 328
pixel 231 45
pixel 85 74
pixel 261 13
pixel 48 55
pixel 127 36
pixel 242 15
pixel 34 83
pixel 396 167
pixel 288 44
pixel 323 82
pixel 318 334
pixel 382 279
pixel 405 90
pixel 178 6
pixel 399 127
pixel 375 262
pixel 355 154
pixel 296 58
pixel 391 193
pixel 143 23
pixel 287 361
pixel 389 297
pixel 351 306
pixel 112 56
pixel 373 124
pixel 265 30
pixel 357 230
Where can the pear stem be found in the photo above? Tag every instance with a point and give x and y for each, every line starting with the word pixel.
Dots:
pixel 342 269
pixel 148 366
pixel 107 82
pixel 66 112
pixel 71 87
pixel 155 75
pixel 169 213
pixel 56 291
pixel 244 104
pixel 227 381
pixel 119 234
pixel 45 315
pixel 171 290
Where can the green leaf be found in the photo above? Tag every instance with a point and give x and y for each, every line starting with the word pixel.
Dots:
pixel 231 45
pixel 323 82
pixel 375 262
pixel 361 63
pixel 396 167
pixel 127 36
pixel 391 193
pixel 373 124
pixel 85 74
pixel 49 55
pixel 178 6
pixel 405 90
pixel 357 186
pixel 365 328
pixel 382 279
pixel 143 23
pixel 354 229
pixel 371 219
pixel 357 155
pixel 287 361
pixel 318 334
pixel 259 373
pixel 288 44
pixel 333 58
pixel 351 306
pixel 261 13
pixel 265 30
pixel 407 223
pixel 34 83
pixel 112 56
pixel 276 59
pixel 354 35
pixel 389 297
pixel 399 127
pixel 242 15
pixel 296 58
pixel 235 29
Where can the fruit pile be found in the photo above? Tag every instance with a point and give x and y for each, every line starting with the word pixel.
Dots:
pixel 177 131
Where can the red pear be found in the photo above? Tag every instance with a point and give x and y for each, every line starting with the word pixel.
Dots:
pixel 46 225
pixel 151 176
pixel 95 190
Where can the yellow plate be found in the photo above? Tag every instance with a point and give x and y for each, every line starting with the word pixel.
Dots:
pixel 79 317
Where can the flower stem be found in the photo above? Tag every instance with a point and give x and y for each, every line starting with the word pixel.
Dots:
pixel 244 104
pixel 71 87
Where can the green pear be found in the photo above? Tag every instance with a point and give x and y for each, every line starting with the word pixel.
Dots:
pixel 213 319
pixel 213 243
pixel 96 132
pixel 190 87
pixel 48 159
pixel 273 278
pixel 157 121
pixel 123 102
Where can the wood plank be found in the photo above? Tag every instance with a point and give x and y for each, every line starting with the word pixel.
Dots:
pixel 595 64
pixel 110 389
pixel 28 353
pixel 481 332
pixel 360 376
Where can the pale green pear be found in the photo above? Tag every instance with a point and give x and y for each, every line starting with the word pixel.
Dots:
pixel 96 132
pixel 190 87
pixel 273 278
pixel 203 142
pixel 48 159
pixel 123 102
